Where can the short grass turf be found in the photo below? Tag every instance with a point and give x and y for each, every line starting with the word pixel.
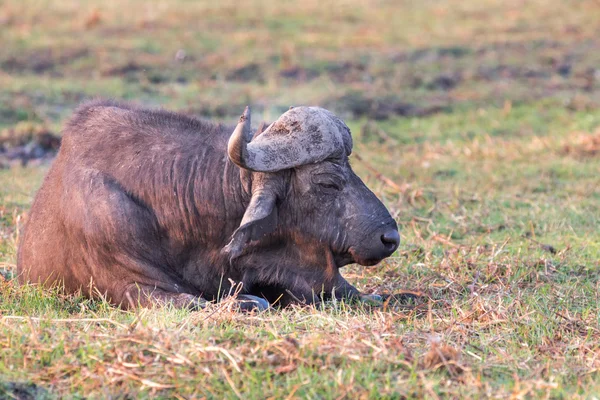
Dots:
pixel 476 122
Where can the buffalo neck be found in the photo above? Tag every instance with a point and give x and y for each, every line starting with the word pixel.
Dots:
pixel 213 196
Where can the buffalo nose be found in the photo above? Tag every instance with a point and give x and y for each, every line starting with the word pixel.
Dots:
pixel 391 240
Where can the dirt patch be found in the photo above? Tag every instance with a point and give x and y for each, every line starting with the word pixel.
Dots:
pixel 132 71
pixel 130 67
pixel 381 108
pixel 346 72
pixel 247 73
pixel 431 54
pixel 298 73
pixel 42 61
pixel 27 144
pixel 444 82
pixel 497 72
pixel 551 67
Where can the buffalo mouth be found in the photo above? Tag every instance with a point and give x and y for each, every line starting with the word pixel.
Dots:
pixel 352 256
pixel 366 260
pixel 372 247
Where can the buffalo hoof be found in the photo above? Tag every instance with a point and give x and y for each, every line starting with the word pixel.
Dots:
pixel 371 299
pixel 247 302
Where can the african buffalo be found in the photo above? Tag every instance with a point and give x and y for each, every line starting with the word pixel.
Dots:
pixel 149 207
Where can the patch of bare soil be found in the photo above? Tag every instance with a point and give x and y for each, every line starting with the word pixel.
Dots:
pixel 298 73
pixel 129 67
pixel 380 108
pixel 27 144
pixel 347 72
pixel 41 61
pixel 251 72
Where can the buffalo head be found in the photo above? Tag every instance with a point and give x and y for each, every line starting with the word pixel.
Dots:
pixel 304 194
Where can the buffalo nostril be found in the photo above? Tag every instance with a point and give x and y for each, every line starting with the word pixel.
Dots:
pixel 391 239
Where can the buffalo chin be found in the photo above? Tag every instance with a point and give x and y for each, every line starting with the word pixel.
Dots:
pixel 352 258
pixel 365 260
pixel 369 263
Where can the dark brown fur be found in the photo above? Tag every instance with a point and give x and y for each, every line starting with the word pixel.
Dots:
pixel 140 206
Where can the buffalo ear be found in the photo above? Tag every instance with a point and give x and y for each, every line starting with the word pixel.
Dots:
pixel 259 220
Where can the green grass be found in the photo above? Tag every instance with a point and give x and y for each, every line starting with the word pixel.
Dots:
pixel 478 125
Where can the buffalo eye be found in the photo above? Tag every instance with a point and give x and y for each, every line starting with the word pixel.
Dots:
pixel 330 186
pixel 328 182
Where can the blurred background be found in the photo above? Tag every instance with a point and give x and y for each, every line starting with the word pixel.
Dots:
pixel 367 60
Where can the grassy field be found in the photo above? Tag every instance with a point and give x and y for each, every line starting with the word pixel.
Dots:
pixel 476 122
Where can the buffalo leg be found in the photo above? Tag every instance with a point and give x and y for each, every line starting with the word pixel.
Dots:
pixel 294 289
pixel 145 296
pixel 123 257
pixel 141 274
pixel 137 296
pixel 344 290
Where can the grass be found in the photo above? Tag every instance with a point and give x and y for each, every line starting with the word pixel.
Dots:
pixel 477 123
